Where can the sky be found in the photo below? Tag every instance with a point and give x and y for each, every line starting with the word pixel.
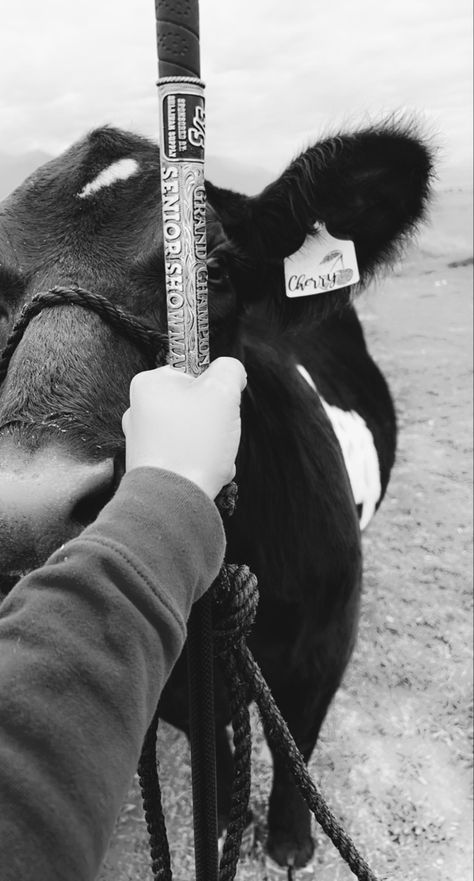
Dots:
pixel 278 75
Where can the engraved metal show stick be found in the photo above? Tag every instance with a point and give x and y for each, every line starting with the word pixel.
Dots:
pixel 181 96
pixel 182 121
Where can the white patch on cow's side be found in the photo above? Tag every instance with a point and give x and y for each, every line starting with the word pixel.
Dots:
pixel 307 377
pixel 358 450
pixel 120 170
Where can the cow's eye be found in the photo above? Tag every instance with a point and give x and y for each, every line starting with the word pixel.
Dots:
pixel 213 269
pixel 216 271
pixel 12 287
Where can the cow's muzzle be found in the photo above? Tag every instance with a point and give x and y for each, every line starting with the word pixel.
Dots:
pixel 47 498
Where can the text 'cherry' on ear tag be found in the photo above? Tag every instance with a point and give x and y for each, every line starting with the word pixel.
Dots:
pixel 322 264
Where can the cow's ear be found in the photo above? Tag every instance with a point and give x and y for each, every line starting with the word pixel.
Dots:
pixel 371 186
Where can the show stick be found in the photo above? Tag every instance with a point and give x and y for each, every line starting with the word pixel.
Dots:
pixel 182 134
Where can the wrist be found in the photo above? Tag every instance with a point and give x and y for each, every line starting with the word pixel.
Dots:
pixel 196 477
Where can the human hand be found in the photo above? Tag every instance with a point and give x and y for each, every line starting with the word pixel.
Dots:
pixel 187 425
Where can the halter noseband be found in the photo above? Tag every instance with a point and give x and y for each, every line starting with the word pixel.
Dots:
pixel 154 341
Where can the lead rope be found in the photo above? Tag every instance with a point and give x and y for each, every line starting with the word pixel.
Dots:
pixel 236 594
pixel 152 805
pixel 235 599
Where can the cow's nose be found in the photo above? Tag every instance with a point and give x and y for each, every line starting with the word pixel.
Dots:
pixel 92 491
pixel 64 492
pixel 46 500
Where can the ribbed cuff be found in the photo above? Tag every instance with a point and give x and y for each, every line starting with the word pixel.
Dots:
pixel 172 529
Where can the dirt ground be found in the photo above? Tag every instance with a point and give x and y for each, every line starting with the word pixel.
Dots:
pixel 394 757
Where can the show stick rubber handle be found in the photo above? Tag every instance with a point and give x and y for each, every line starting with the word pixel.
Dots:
pixel 177 35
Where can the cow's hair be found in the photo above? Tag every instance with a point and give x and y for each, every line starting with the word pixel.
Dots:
pixel 309 373
pixel 371 186
pixel 291 469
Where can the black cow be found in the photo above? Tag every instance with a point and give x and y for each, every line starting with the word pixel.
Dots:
pixel 92 218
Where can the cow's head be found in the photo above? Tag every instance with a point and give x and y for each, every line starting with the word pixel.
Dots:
pixel 92 218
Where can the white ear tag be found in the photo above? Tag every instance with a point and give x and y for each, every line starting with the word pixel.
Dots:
pixel 323 263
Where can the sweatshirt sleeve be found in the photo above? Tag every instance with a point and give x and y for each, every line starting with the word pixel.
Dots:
pixel 87 643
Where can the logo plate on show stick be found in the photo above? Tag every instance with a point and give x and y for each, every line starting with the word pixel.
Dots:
pixel 183 127
pixel 322 264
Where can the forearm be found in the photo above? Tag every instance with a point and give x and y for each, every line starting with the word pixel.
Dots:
pixel 87 643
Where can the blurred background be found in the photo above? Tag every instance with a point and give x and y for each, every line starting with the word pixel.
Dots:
pixel 278 76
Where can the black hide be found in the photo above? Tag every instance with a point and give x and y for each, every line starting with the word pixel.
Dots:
pixel 296 524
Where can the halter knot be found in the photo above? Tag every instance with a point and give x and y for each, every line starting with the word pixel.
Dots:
pixel 235 601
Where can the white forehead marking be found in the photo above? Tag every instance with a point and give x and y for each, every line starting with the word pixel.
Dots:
pixel 358 450
pixel 120 170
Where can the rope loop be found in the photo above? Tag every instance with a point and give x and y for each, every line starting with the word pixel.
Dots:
pixel 227 499
pixel 235 601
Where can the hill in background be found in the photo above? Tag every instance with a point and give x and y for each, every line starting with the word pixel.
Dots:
pixel 14 169
pixel 447 234
pixel 222 172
